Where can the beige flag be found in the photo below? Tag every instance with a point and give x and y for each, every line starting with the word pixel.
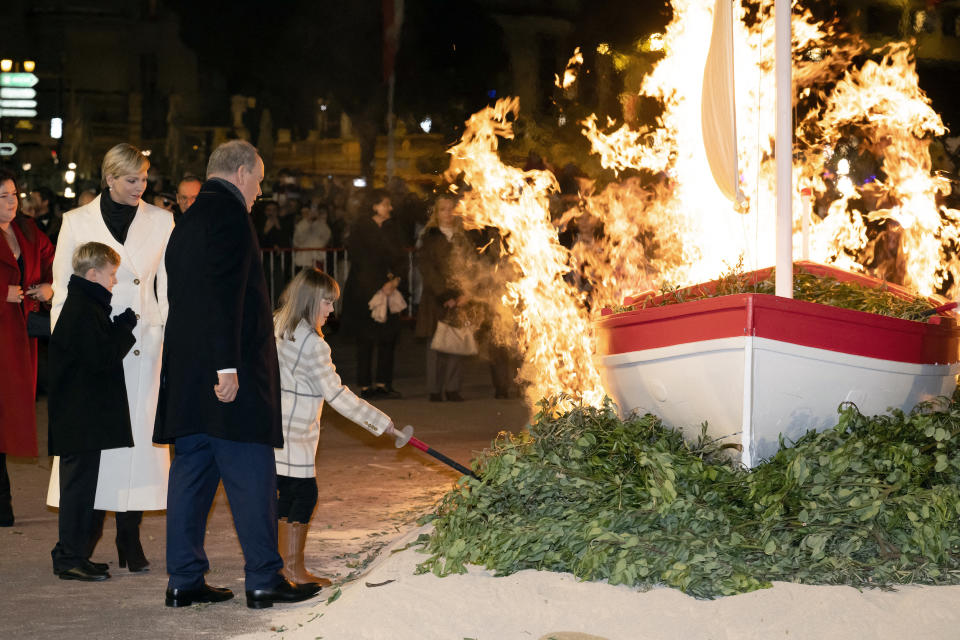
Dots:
pixel 718 106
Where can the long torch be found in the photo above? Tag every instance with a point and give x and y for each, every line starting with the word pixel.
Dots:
pixel 406 435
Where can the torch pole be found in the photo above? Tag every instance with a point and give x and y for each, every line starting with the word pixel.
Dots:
pixel 442 458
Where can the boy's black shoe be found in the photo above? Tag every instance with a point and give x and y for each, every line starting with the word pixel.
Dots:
pixel 97 567
pixel 203 593
pixel 83 573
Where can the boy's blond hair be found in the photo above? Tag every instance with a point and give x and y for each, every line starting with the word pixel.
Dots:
pixel 93 255
pixel 301 301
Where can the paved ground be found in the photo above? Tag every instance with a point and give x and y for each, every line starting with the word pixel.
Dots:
pixel 369 493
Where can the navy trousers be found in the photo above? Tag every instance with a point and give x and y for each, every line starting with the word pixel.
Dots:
pixel 249 475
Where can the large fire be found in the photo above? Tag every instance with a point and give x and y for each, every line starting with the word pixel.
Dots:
pixel 678 229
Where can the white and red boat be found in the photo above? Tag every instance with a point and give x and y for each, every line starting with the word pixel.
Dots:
pixel 756 367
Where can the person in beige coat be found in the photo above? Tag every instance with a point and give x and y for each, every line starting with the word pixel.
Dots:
pixel 131 480
pixel 307 380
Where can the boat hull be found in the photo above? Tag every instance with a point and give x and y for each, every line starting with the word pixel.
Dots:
pixel 757 368
pixel 752 391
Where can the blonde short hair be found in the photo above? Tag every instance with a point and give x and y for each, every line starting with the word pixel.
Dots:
pixel 301 301
pixel 93 255
pixel 230 156
pixel 122 160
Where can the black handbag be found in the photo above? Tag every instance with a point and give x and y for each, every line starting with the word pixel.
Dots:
pixel 38 324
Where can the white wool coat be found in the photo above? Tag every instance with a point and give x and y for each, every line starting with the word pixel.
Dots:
pixel 130 478
pixel 307 380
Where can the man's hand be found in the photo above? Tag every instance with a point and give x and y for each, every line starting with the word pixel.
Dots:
pixel 226 387
pixel 14 294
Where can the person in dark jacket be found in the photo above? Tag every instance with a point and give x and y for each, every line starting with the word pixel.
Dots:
pixel 220 387
pixel 377 264
pixel 88 402
pixel 441 244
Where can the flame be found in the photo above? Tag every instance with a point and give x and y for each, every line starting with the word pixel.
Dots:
pixel 553 325
pixel 884 102
pixel 570 73
pixel 672 226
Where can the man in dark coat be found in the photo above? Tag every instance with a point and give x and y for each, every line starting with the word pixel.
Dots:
pixel 220 387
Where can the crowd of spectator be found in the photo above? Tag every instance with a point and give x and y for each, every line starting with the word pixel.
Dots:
pixel 325 223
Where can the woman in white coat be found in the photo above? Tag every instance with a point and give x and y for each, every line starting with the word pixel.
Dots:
pixel 131 480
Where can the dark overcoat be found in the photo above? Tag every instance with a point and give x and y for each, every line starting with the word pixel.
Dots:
pixel 220 318
pixel 18 352
pixel 434 259
pixel 87 400
pixel 376 253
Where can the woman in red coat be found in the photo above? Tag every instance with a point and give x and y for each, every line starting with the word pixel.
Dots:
pixel 26 258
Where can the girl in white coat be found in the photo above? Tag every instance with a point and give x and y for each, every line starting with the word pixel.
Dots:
pixel 308 379
pixel 130 480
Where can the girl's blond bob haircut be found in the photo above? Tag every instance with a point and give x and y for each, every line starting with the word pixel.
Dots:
pixel 301 301
pixel 122 160
pixel 93 255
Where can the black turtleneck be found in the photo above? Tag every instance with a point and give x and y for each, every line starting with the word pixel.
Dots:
pixel 117 216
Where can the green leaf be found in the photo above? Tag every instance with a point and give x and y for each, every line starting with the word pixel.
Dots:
pixel 942 462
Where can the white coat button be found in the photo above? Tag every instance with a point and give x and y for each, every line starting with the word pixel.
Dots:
pixel 136 352
pixel 136 281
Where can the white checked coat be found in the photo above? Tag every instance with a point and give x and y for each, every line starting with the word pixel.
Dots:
pixel 307 379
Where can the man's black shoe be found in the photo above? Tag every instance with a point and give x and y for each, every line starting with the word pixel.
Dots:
pixel 285 591
pixel 203 593
pixel 84 574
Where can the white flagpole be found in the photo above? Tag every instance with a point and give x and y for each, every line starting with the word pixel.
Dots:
pixel 783 57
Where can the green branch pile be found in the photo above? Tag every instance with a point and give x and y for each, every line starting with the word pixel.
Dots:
pixel 873 501
pixel 806 286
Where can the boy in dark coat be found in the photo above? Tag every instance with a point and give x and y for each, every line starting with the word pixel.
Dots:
pixel 87 401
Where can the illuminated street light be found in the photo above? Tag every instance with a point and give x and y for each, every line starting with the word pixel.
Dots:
pixel 6 65
pixel 72 165
pixel 29 66
pixel 27 166
pixel 426 124
pixel 56 128
pixel 69 176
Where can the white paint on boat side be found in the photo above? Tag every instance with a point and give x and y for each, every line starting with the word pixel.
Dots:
pixel 753 390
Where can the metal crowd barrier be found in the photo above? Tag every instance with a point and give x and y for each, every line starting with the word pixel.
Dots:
pixel 279 267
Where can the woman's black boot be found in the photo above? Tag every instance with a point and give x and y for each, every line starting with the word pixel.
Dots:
pixel 129 549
